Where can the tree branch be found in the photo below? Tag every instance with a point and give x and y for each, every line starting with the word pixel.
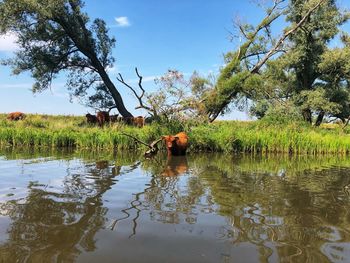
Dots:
pixel 153 148
pixel 214 114
pixel 285 35
pixel 138 97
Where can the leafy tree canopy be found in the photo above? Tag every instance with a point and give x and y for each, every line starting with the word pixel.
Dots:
pixel 301 70
pixel 56 36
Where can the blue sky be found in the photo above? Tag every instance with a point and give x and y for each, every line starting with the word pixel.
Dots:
pixel 153 35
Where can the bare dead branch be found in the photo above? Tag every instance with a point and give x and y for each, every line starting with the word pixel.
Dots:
pixel 140 83
pixel 138 97
pixel 136 139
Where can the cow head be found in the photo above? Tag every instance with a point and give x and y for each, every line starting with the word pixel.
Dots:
pixel 170 141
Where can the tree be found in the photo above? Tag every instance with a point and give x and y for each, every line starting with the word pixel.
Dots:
pixel 176 97
pixel 56 36
pixel 335 69
pixel 241 75
pixel 307 47
pixel 308 74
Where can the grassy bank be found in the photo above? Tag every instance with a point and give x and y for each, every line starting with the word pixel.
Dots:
pixel 225 136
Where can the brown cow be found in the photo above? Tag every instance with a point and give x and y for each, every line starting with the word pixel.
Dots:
pixel 176 165
pixel 177 144
pixel 128 120
pixel 139 121
pixel 15 116
pixel 114 118
pixel 92 119
pixel 102 117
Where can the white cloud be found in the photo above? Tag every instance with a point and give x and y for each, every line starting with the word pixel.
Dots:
pixel 8 42
pixel 122 21
pixel 16 86
pixel 112 69
pixel 144 79
pixel 149 78
pixel 57 90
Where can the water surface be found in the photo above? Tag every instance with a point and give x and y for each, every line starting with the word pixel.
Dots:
pixel 118 207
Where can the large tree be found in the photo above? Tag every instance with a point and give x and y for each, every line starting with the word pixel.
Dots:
pixel 307 47
pixel 312 24
pixel 56 36
pixel 310 76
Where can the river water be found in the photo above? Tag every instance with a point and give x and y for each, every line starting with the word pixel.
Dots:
pixel 118 207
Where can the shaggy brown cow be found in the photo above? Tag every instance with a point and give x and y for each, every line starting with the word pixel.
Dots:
pixel 92 119
pixel 139 121
pixel 128 120
pixel 15 116
pixel 176 165
pixel 102 117
pixel 114 118
pixel 177 144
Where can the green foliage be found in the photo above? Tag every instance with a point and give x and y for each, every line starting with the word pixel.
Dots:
pixel 178 98
pixel 307 73
pixel 55 36
pixel 317 101
pixel 282 114
pixel 259 108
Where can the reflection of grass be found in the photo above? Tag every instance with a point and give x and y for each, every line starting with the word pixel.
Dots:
pixel 281 164
pixel 223 136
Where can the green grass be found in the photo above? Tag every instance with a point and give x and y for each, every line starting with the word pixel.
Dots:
pixel 222 136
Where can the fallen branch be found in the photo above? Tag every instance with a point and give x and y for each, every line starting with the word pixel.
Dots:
pixel 153 148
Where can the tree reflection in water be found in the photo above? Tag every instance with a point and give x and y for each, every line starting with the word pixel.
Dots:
pixel 288 209
pixel 56 226
pixel 292 216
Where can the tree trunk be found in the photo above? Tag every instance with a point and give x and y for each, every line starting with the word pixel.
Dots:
pixel 87 48
pixel 113 90
pixel 116 96
pixel 319 118
pixel 307 116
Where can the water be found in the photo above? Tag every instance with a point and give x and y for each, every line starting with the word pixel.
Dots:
pixel 118 207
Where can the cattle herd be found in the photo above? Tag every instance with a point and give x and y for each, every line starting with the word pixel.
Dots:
pixel 175 144
pixel 103 117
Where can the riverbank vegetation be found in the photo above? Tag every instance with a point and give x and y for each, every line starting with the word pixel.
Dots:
pixel 220 136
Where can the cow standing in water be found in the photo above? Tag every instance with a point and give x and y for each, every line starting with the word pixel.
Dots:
pixel 16 116
pixel 177 144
